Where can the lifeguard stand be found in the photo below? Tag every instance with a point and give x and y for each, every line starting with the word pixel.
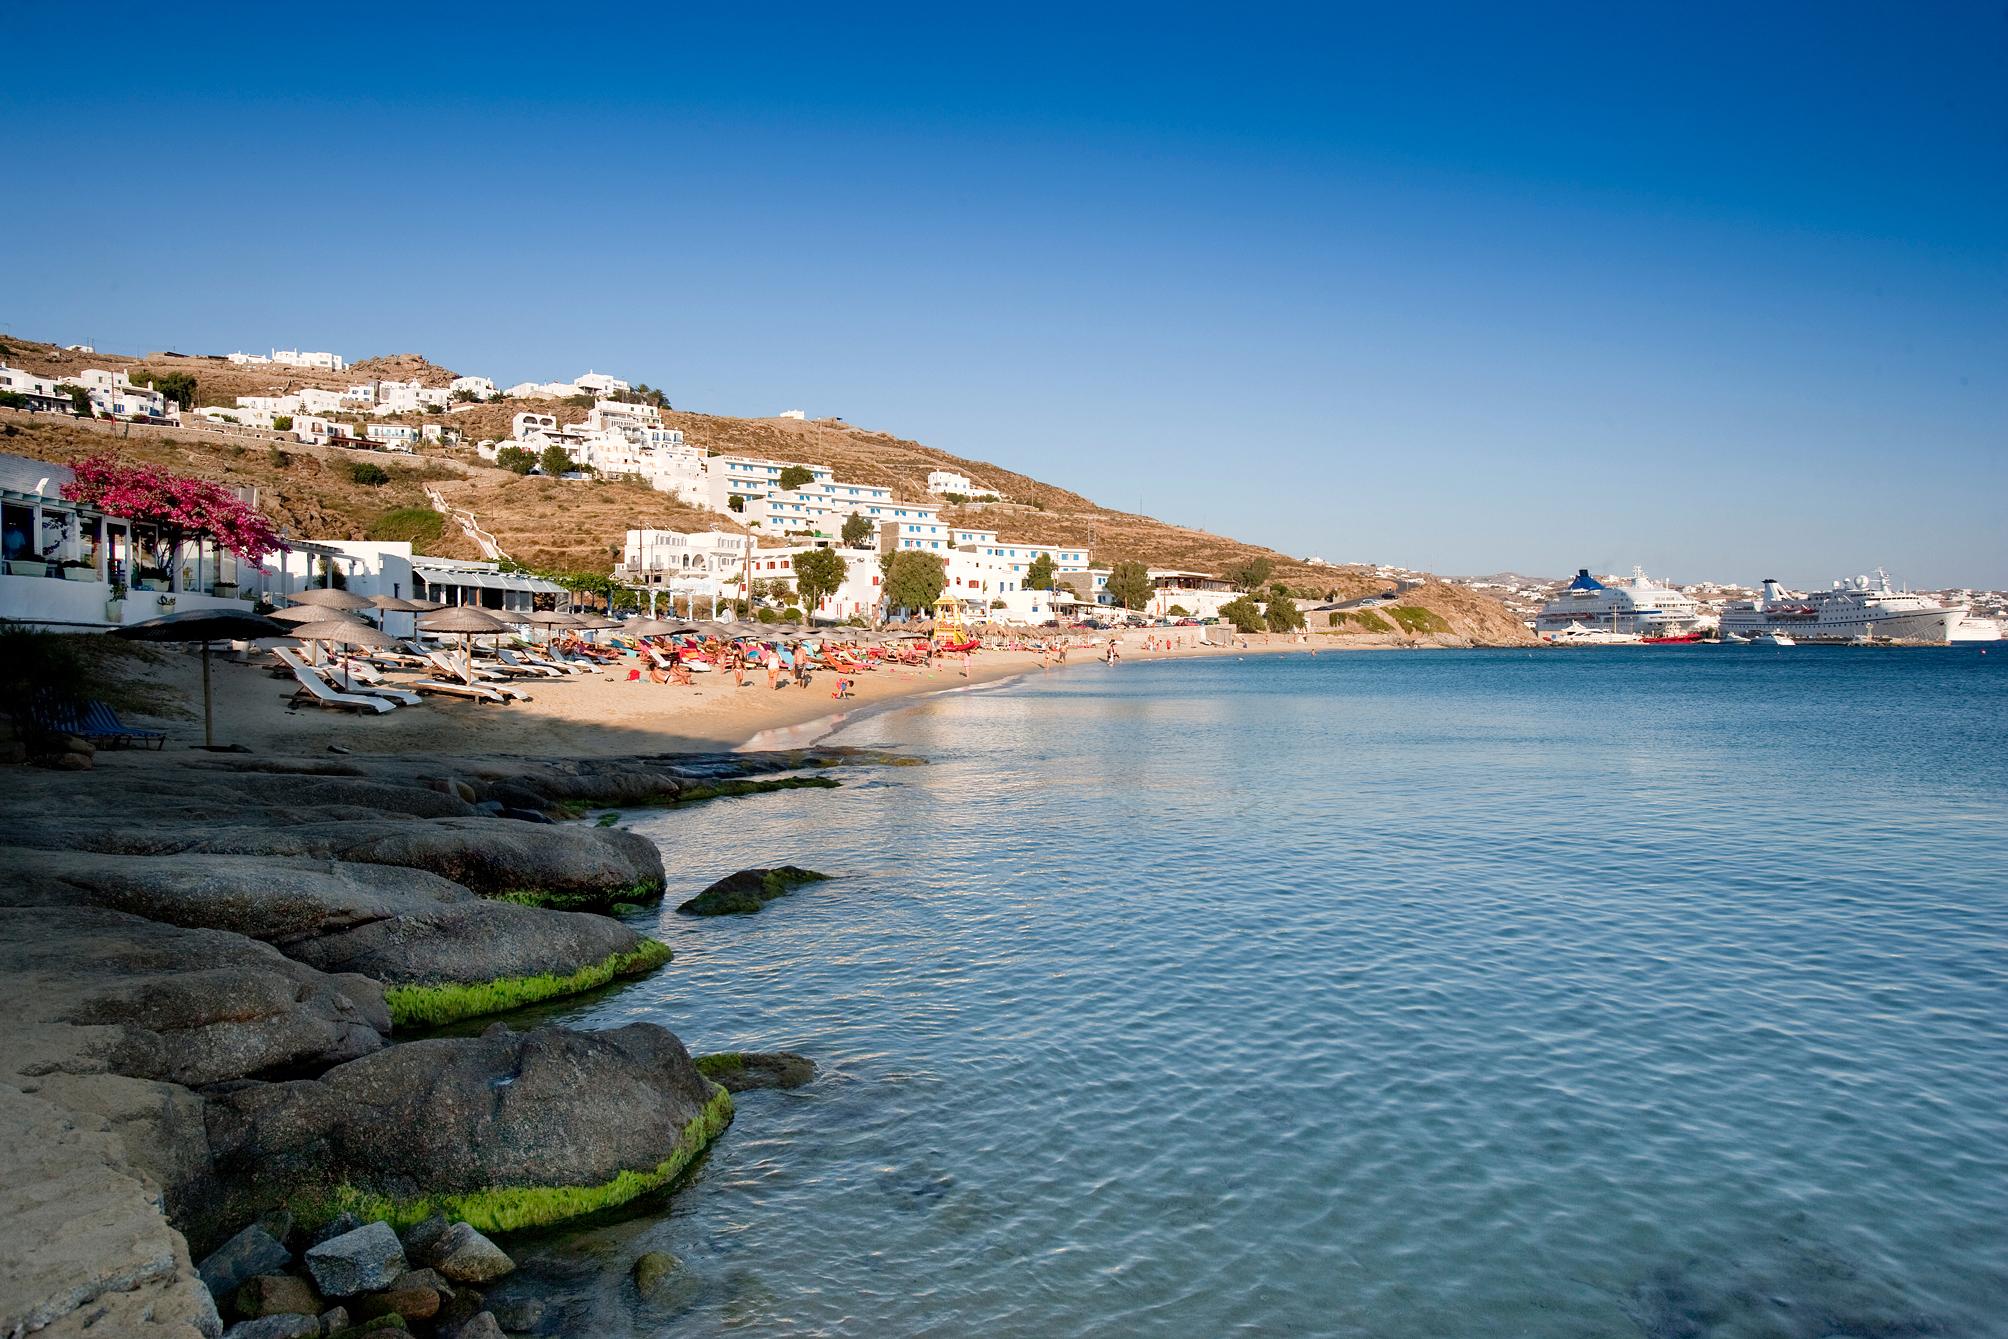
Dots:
pixel 948 624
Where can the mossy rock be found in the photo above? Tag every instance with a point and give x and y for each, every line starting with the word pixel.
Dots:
pixel 720 790
pixel 513 1208
pixel 740 1071
pixel 435 1005
pixel 601 900
pixel 744 893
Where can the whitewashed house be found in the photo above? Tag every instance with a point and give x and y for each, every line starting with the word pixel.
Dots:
pixel 392 436
pixel 481 388
pixel 330 362
pixel 114 395
pixel 39 392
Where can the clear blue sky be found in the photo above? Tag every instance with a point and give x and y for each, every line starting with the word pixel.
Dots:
pixel 1722 289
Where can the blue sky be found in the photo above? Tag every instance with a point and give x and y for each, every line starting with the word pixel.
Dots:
pixel 1718 289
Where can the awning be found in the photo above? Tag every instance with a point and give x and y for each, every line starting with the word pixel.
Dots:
pixel 454 576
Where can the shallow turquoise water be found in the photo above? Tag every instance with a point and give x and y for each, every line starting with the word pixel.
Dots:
pixel 1631 992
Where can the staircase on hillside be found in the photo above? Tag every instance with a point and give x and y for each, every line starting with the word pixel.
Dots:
pixel 464 518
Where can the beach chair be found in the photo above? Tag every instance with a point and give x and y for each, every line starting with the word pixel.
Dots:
pixel 523 664
pixel 91 720
pixel 359 676
pixel 312 687
pixel 444 663
pixel 473 692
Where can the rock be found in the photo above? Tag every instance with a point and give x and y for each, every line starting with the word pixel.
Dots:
pixel 740 1071
pixel 746 892
pixel 84 1247
pixel 518 1315
pixel 397 927
pixel 277 1222
pixel 390 1323
pixel 422 1236
pixel 415 1295
pixel 340 1225
pixel 361 1261
pixel 552 1116
pixel 276 1295
pixel 237 1261
pixel 463 1255
pixel 67 762
pixel 457 1307
pixel 285 1326
pixel 191 1007
pixel 333 1319
pixel 652 1271
pixel 482 1326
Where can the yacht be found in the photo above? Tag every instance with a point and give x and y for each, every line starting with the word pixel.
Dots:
pixel 1774 638
pixel 1586 634
pixel 1640 608
pixel 1856 608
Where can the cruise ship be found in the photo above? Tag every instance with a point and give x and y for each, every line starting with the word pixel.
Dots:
pixel 1637 607
pixel 1854 610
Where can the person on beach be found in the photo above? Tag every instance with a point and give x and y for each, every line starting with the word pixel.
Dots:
pixel 965 664
pixel 773 670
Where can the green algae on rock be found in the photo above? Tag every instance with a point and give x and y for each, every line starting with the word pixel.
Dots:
pixel 434 1005
pixel 744 893
pixel 512 1208
pixel 718 790
pixel 603 900
pixel 740 1071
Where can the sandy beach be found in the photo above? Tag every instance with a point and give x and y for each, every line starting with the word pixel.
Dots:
pixel 595 715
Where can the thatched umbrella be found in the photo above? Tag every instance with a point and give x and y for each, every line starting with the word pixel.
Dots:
pixel 311 613
pixel 204 626
pixel 468 622
pixel 546 619
pixel 654 627
pixel 327 597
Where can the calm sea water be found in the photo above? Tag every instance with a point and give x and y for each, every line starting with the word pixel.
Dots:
pixel 1610 993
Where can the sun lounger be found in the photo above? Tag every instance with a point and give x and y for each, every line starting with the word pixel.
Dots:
pixel 356 677
pixel 524 664
pixel 454 688
pixel 445 664
pixel 313 686
pixel 92 720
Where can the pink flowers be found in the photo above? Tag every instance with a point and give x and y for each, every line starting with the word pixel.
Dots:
pixel 175 501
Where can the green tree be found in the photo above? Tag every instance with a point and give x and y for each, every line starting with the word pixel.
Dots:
pixel 80 399
pixel 178 387
pixel 857 530
pixel 463 396
pixel 554 461
pixel 282 423
pixel 736 502
pixel 913 580
pixel 516 460
pixel 1178 611
pixel 818 574
pixel 1039 573
pixel 796 476
pixel 1244 614
pixel 1250 576
pixel 1282 614
pixel 1129 584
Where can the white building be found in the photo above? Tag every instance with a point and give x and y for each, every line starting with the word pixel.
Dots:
pixel 795 414
pixel 481 388
pixel 408 397
pixel 600 384
pixel 114 395
pixel 331 362
pixel 40 392
pixel 314 400
pixel 249 359
pixel 393 436
pixel 948 481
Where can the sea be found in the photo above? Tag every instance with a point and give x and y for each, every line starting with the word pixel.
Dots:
pixel 1615 992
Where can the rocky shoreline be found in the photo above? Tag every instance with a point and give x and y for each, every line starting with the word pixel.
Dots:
pixel 221 969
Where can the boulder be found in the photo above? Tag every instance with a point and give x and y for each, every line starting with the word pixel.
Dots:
pixel 334 1319
pixel 481 1326
pixel 286 1326
pixel 340 1225
pixel 655 1274
pixel 502 1131
pixel 415 1295
pixel 277 1295
pixel 365 1260
pixel 422 1236
pixel 463 1255
pixel 249 1254
pixel 190 1007
pixel 746 892
pixel 741 1071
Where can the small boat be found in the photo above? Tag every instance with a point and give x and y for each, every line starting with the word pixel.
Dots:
pixel 1736 639
pixel 1679 639
pixel 1775 639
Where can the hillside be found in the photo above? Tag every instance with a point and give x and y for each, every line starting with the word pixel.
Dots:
pixel 579 526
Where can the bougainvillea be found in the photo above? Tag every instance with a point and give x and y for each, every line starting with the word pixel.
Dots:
pixel 174 501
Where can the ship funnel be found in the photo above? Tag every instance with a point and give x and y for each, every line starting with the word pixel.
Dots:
pixel 1772 590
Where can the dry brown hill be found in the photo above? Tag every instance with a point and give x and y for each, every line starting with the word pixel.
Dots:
pixel 579 526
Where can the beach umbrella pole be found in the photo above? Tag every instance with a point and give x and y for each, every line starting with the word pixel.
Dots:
pixel 208 710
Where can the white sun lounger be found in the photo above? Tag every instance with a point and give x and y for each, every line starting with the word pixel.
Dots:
pixel 314 686
pixel 517 661
pixel 443 662
pixel 455 688
pixel 358 676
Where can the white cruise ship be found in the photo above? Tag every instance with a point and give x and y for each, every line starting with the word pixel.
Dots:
pixel 1638 607
pixel 1853 610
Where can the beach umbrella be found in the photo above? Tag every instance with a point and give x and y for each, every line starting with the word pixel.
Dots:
pixel 204 626
pixel 653 627
pixel 424 606
pixel 311 613
pixel 327 597
pixel 468 622
pixel 546 619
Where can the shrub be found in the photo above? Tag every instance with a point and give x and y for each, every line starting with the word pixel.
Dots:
pixel 368 474
pixel 416 526
pixel 280 460
pixel 736 502
pixel 1178 611
pixel 794 477
pixel 1282 614
pixel 282 423
pixel 1418 620
pixel 516 460
pixel 1244 614
pixel 857 530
